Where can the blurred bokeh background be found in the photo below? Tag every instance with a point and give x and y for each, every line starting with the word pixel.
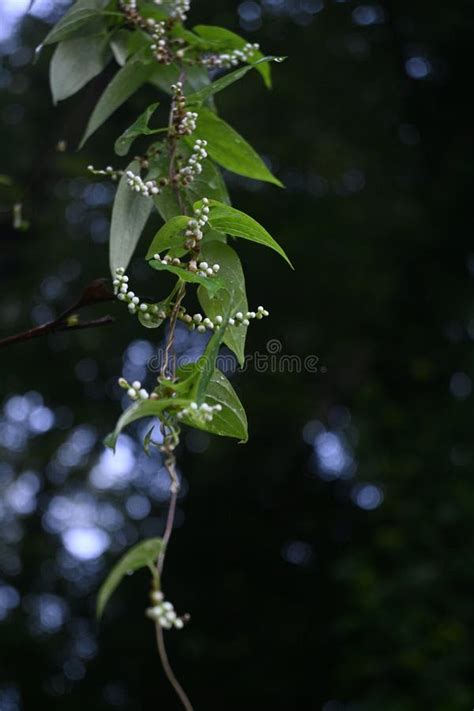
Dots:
pixel 328 563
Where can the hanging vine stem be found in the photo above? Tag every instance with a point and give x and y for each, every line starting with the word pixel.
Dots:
pixel 197 220
pixel 169 671
pixel 170 464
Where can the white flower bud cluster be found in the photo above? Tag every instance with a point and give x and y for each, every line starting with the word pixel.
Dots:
pixel 187 124
pixel 194 166
pixel 159 45
pixel 109 172
pixel 180 9
pixel 195 226
pixel 184 121
pixel 203 270
pixel 146 188
pixel 231 59
pixel 163 612
pixel 204 412
pixel 203 324
pixel 129 4
pixel 121 289
pixel 134 390
pixel 244 320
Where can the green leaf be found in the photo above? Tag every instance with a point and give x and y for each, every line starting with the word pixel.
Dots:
pixel 167 236
pixel 143 555
pixel 229 149
pixel 212 284
pixel 225 39
pixel 128 79
pixel 83 18
pixel 74 63
pixel 147 441
pixel 167 203
pixel 129 216
pixel 165 75
pixel 207 362
pixel 119 44
pixel 233 298
pixel 209 183
pixel 156 13
pixel 140 409
pixel 200 96
pixel 234 222
pixel 231 421
pixel 154 321
pixel 138 128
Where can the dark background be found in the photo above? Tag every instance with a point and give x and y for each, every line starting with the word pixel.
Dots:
pixel 327 564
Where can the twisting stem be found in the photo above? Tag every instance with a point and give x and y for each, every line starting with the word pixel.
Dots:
pixel 170 464
pixel 172 147
pixel 170 339
pixel 169 370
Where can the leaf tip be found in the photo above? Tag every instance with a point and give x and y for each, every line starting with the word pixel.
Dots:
pixel 110 441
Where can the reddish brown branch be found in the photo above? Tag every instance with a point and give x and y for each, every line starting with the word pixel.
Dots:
pixel 95 292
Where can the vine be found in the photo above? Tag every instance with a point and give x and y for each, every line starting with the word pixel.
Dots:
pixel 178 175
